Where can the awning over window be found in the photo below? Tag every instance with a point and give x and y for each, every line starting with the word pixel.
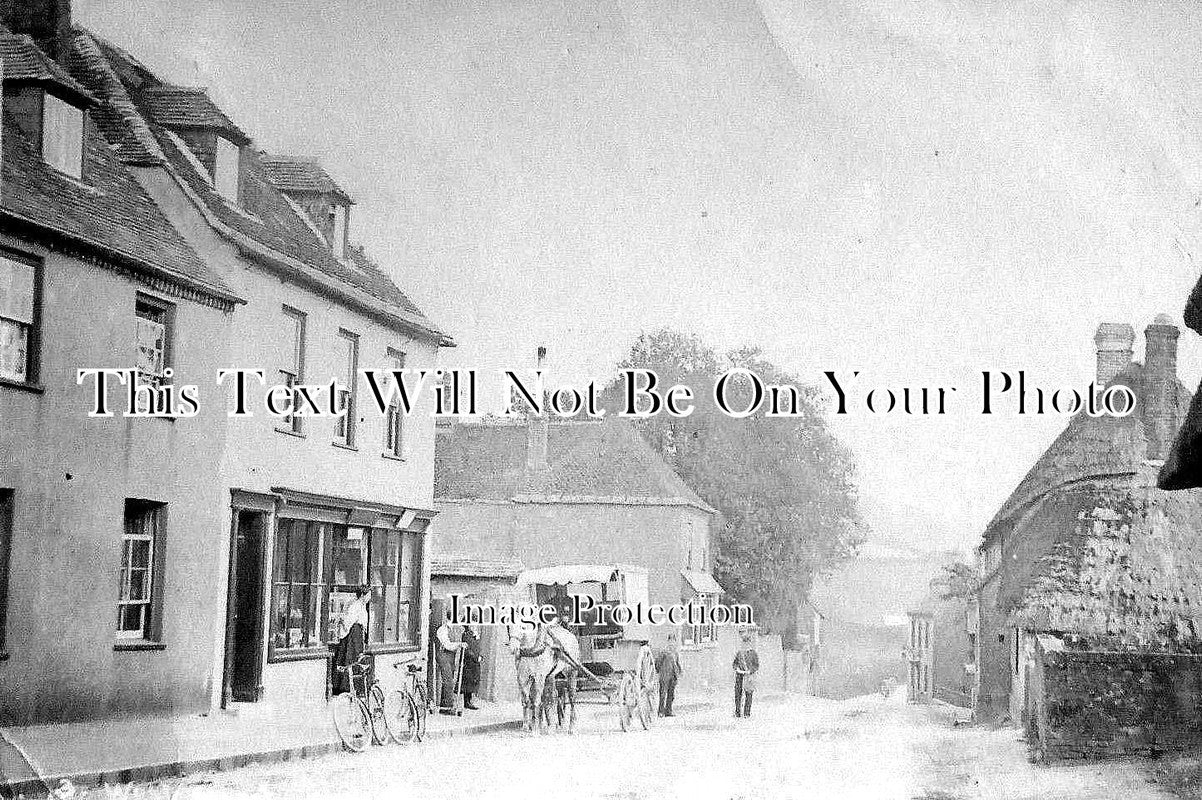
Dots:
pixel 702 582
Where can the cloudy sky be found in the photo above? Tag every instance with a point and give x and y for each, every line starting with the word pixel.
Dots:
pixel 915 189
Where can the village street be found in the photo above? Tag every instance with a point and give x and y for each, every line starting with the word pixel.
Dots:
pixel 802 747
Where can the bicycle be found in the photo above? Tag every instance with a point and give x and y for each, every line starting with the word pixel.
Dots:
pixel 410 706
pixel 360 715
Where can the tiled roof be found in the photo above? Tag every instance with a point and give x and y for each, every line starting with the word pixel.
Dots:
pixel 300 174
pixel 24 61
pixel 117 116
pixel 131 98
pixel 588 462
pixel 187 107
pixel 108 210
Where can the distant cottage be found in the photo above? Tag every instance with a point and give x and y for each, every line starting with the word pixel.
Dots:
pixel 532 493
pixel 1090 603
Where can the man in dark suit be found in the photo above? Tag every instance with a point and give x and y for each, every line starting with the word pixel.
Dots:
pixel 470 680
pixel 669 668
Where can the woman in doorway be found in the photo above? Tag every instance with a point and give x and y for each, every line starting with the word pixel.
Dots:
pixel 353 641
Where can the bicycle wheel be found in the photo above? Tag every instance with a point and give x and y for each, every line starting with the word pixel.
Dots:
pixel 352 722
pixel 400 715
pixel 379 724
pixel 422 703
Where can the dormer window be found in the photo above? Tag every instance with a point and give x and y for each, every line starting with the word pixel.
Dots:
pixel 226 168
pixel 62 136
pixel 338 226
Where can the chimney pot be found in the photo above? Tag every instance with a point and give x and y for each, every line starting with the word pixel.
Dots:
pixel 1115 342
pixel 536 436
pixel 1161 418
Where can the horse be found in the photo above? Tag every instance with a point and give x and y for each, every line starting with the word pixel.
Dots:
pixel 533 660
pixel 566 669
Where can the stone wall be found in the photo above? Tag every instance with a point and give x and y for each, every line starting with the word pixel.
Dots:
pixel 1105 704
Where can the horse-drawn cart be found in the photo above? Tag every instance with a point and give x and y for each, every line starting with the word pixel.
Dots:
pixel 614 659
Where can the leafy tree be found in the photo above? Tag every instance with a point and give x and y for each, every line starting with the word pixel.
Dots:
pixel 785 486
pixel 957 581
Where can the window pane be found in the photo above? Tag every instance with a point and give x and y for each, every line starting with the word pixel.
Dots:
pixel 138 585
pixel 16 290
pixel 62 136
pixel 226 167
pixel 130 618
pixel 406 623
pixel 339 243
pixel 350 556
pixel 14 350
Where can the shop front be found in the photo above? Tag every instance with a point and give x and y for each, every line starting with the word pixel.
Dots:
pixel 296 559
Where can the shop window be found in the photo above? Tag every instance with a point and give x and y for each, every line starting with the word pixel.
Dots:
pixel 298 584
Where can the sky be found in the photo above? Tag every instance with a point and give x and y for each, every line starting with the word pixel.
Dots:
pixel 915 189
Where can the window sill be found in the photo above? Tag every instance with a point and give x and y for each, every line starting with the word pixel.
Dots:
pixel 393 457
pixel 343 446
pixel 307 654
pixel 35 388
pixel 138 644
pixel 290 432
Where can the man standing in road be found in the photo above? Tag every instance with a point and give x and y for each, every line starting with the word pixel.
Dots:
pixel 746 665
pixel 471 666
pixel 669 668
pixel 446 655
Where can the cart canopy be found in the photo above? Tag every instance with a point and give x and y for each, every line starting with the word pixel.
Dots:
pixel 575 573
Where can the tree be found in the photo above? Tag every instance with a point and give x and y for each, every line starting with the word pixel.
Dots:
pixel 958 581
pixel 784 486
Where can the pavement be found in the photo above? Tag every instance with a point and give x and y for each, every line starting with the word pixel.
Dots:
pixel 36 760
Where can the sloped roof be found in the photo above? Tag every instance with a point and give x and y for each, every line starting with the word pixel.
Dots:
pixel 187 107
pixel 587 462
pixel 1093 549
pixel 109 211
pixel 24 61
pixel 1125 568
pixel 1088 447
pixel 131 97
pixel 300 174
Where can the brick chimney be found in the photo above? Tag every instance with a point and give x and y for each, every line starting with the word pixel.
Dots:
pixel 1161 414
pixel 48 22
pixel 536 432
pixel 1115 341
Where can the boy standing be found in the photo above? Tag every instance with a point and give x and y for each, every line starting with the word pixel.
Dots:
pixel 746 665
